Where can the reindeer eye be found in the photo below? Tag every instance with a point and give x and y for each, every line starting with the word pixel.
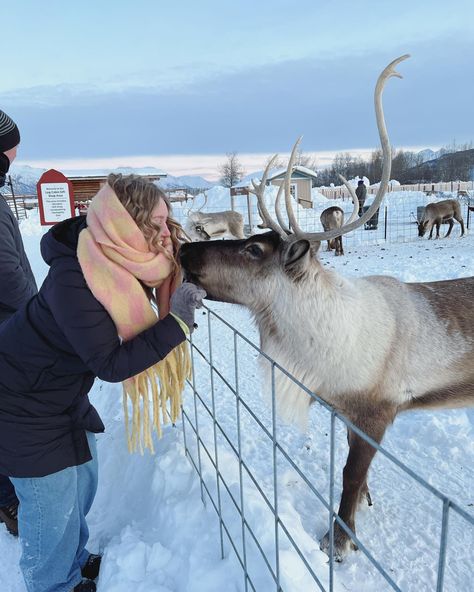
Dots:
pixel 254 250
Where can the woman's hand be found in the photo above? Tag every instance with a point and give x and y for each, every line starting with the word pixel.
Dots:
pixel 184 302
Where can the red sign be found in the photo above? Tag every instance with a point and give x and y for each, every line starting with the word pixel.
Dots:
pixel 55 198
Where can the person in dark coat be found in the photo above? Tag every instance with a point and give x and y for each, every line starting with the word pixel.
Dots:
pixel 17 284
pixel 52 350
pixel 361 192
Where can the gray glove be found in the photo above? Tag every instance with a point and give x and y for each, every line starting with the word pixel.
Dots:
pixel 185 300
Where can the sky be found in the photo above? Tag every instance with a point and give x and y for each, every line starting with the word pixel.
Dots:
pixel 178 85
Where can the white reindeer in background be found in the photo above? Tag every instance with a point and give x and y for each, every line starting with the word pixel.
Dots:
pixel 371 347
pixel 207 225
pixel 202 226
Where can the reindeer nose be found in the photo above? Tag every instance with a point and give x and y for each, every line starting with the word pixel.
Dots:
pixel 184 254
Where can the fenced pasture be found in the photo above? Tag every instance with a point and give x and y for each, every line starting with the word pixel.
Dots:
pixel 395 222
pixel 453 187
pixel 275 490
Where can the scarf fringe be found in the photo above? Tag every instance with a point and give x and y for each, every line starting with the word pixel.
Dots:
pixel 167 379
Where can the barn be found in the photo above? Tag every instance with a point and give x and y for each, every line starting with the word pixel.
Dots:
pixel 302 181
pixel 86 186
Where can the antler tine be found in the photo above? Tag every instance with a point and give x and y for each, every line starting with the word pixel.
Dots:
pixel 259 190
pixel 387 73
pixel 289 208
pixel 355 200
pixel 281 222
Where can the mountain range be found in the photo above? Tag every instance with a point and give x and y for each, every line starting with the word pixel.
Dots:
pixel 24 178
pixel 448 166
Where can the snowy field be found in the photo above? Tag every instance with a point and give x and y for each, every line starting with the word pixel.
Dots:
pixel 157 536
pixel 396 220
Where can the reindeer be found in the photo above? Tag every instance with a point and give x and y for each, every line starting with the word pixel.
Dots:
pixel 412 348
pixel 208 225
pixel 333 217
pixel 437 212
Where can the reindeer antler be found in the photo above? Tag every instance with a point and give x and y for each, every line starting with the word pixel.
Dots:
pixel 352 223
pixel 259 190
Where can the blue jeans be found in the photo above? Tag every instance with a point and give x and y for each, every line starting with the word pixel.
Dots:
pixel 7 492
pixel 52 525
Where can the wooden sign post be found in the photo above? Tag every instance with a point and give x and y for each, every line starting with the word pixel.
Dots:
pixel 242 191
pixel 55 198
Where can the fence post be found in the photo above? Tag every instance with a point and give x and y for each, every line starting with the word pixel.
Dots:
pixel 214 421
pixel 10 184
pixel 385 224
pixel 331 501
pixel 442 546
pixel 249 208
pixel 275 482
pixel 239 449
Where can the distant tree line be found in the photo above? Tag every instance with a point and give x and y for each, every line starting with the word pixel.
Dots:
pixel 455 163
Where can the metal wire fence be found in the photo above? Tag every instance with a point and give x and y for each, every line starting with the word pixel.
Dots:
pixel 245 461
pixel 395 222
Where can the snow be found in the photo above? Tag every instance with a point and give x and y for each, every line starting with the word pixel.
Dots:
pixel 149 520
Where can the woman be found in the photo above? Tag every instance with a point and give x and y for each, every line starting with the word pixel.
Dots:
pixel 91 318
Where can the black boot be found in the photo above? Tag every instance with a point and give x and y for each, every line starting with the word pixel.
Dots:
pixel 91 567
pixel 85 586
pixel 9 515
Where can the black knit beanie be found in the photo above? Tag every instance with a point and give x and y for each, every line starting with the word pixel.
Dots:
pixel 9 133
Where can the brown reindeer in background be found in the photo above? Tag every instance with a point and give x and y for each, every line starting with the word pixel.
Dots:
pixel 437 212
pixel 333 217
pixel 371 346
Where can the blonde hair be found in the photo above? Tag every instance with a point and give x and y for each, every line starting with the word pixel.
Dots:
pixel 139 197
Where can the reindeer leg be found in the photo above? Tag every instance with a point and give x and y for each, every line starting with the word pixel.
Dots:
pixel 451 224
pixel 374 423
pixel 364 490
pixel 461 222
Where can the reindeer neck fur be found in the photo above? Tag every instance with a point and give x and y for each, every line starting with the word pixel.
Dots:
pixel 353 338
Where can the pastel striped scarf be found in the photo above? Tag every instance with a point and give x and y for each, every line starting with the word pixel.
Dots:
pixel 116 261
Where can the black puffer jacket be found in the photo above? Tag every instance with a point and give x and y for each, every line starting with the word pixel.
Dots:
pixel 17 283
pixel 50 353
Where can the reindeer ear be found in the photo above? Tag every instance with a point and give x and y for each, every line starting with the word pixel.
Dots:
pixel 295 252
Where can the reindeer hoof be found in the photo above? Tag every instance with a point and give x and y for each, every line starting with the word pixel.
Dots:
pixel 364 496
pixel 343 544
